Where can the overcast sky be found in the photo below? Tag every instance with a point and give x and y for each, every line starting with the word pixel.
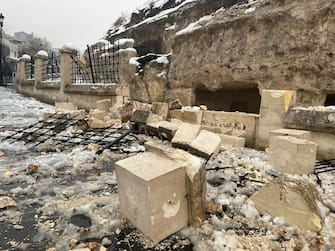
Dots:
pixel 63 21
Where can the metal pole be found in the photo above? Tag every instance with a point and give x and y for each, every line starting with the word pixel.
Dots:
pixel 1 45
pixel 89 57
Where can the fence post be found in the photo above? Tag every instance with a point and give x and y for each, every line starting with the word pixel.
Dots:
pixel 40 61
pixel 66 65
pixel 20 71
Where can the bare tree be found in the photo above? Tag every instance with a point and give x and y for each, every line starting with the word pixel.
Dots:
pixel 31 47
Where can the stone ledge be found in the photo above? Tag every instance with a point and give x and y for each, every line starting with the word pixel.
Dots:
pixel 98 89
pixel 311 119
pixel 54 85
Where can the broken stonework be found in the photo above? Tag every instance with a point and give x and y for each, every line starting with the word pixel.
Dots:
pixel 205 144
pixel 7 202
pixel 296 200
pixel 185 134
pixel 274 105
pixel 232 140
pixel 65 106
pixel 167 130
pixel 196 179
pixel 161 109
pixel 292 155
pixel 174 114
pixel 319 119
pixel 162 129
pixel 104 105
pixel 301 134
pixel 152 194
pixel 191 115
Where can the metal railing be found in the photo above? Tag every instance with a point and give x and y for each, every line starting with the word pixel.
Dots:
pixel 51 67
pixel 99 64
pixel 30 69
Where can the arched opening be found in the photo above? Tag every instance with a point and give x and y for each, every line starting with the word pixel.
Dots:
pixel 230 100
pixel 330 100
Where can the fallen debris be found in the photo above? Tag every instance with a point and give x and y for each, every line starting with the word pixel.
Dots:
pixel 7 202
pixel 32 168
pixel 2 154
pixel 296 200
pixel 234 141
pixel 205 144
pixel 292 155
pixel 152 194
pixel 185 134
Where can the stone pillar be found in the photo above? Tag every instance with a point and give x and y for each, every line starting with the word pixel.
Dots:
pixel 274 105
pixel 40 61
pixel 66 65
pixel 20 71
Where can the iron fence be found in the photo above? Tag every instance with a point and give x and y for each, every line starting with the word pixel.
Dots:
pixel 51 67
pixel 30 69
pixel 99 64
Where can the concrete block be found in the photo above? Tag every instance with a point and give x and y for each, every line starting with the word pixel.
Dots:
pixel 174 114
pixel 300 134
pixel 161 109
pixel 65 106
pixel 106 123
pixel 296 200
pixel 205 144
pixel 292 155
pixel 191 115
pixel 196 179
pixel 104 105
pixel 234 141
pixel 278 99
pixel 152 193
pixel 185 134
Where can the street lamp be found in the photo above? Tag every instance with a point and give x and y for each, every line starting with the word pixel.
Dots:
pixel 1 45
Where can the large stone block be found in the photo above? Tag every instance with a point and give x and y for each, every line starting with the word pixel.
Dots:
pixel 234 121
pixel 175 114
pixel 206 144
pixel 65 106
pixel 167 130
pixel 152 193
pixel 234 141
pixel 104 105
pixel 161 109
pixel 274 105
pixel 196 179
pixel 292 155
pixel 297 201
pixel 319 119
pixel 185 134
pixel 281 100
pixel 191 115
pixel 300 134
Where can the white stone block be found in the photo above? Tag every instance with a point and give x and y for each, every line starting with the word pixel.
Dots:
pixel 205 144
pixel 104 105
pixel 234 141
pixel 191 115
pixel 185 134
pixel 152 191
pixel 297 201
pixel 300 134
pixel 65 106
pixel 292 155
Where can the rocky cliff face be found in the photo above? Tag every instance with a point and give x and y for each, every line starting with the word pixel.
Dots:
pixel 239 46
pixel 153 26
pixel 273 44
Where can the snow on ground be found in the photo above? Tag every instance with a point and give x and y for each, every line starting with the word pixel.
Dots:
pixel 16 111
